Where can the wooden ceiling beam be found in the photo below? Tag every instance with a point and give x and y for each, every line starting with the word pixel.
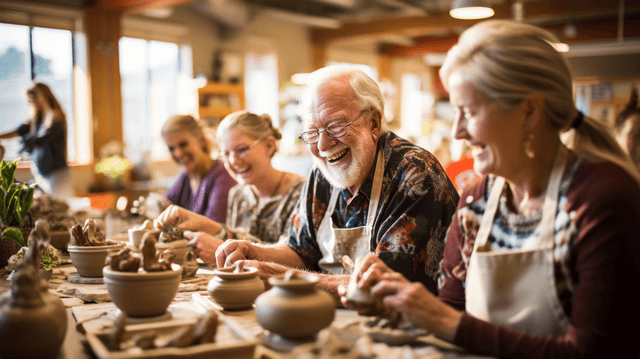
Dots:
pixel 134 6
pixel 538 11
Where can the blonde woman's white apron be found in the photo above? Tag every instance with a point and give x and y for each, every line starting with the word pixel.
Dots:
pixel 353 242
pixel 517 288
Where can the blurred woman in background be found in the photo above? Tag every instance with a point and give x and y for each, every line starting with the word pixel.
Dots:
pixel 44 137
pixel 259 205
pixel 204 185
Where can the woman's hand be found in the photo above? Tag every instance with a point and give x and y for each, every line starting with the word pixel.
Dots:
pixel 186 220
pixel 203 245
pixel 392 291
pixel 417 304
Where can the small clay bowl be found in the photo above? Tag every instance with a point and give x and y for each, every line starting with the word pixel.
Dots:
pixel 89 260
pixel 142 294
pixel 180 248
pixel 235 287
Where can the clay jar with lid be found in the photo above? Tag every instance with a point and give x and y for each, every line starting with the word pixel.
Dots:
pixel 294 308
pixel 33 321
pixel 235 287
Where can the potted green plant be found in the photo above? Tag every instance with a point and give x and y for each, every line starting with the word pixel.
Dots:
pixel 48 260
pixel 15 202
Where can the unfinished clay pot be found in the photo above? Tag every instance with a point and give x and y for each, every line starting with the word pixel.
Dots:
pixel 294 308
pixel 142 294
pixel 89 260
pixel 236 287
pixel 179 247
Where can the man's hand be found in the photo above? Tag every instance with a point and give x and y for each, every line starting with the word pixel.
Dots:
pixel 234 250
pixel 267 270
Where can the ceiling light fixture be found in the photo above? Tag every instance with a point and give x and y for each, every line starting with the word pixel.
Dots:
pixel 470 9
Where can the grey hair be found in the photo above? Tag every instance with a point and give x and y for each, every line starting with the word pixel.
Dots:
pixel 257 126
pixel 507 61
pixel 366 90
pixel 188 124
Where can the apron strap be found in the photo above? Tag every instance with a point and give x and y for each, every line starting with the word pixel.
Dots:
pixel 376 188
pixel 549 209
pixel 489 213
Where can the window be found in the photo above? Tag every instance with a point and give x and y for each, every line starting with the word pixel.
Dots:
pixel 261 85
pixel 155 78
pixel 52 64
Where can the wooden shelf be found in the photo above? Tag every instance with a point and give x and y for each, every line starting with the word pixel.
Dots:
pixel 220 99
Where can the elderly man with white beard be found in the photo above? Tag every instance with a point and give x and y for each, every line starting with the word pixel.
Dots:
pixel 369 191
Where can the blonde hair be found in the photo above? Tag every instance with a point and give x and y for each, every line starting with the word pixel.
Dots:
pixel 366 91
pixel 258 127
pixel 188 124
pixel 507 61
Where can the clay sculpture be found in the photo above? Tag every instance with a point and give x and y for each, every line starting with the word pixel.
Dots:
pixel 88 235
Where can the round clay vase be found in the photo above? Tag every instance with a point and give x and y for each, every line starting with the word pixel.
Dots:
pixel 89 260
pixel 142 294
pixel 294 308
pixel 179 247
pixel 236 287
pixel 33 321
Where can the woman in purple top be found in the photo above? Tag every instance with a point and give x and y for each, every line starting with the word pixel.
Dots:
pixel 204 185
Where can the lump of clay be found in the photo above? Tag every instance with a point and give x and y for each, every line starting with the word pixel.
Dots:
pixel 170 234
pixel 89 235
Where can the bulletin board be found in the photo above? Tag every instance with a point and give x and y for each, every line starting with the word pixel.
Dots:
pixel 603 99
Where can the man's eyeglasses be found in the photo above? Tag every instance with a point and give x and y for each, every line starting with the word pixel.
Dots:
pixel 335 130
pixel 239 152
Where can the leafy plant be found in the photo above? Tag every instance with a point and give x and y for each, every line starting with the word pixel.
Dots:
pixel 15 200
pixel 47 262
pixel 15 234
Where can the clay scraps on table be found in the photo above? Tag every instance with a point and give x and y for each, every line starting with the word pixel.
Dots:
pixel 202 332
pixel 89 235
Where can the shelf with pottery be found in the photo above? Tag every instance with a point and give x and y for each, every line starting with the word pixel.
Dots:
pixel 217 99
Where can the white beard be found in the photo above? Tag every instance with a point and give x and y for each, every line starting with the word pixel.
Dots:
pixel 348 175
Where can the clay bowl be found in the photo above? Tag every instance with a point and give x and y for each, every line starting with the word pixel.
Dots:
pixel 142 294
pixel 180 248
pixel 89 260
pixel 235 287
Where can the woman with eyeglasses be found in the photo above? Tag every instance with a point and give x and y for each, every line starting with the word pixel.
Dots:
pixel 259 205
pixel 204 185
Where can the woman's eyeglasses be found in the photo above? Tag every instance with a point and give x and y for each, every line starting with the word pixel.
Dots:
pixel 240 152
pixel 335 130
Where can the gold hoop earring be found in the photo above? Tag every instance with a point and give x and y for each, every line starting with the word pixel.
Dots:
pixel 528 146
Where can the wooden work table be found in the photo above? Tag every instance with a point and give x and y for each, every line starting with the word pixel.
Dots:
pixel 95 313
